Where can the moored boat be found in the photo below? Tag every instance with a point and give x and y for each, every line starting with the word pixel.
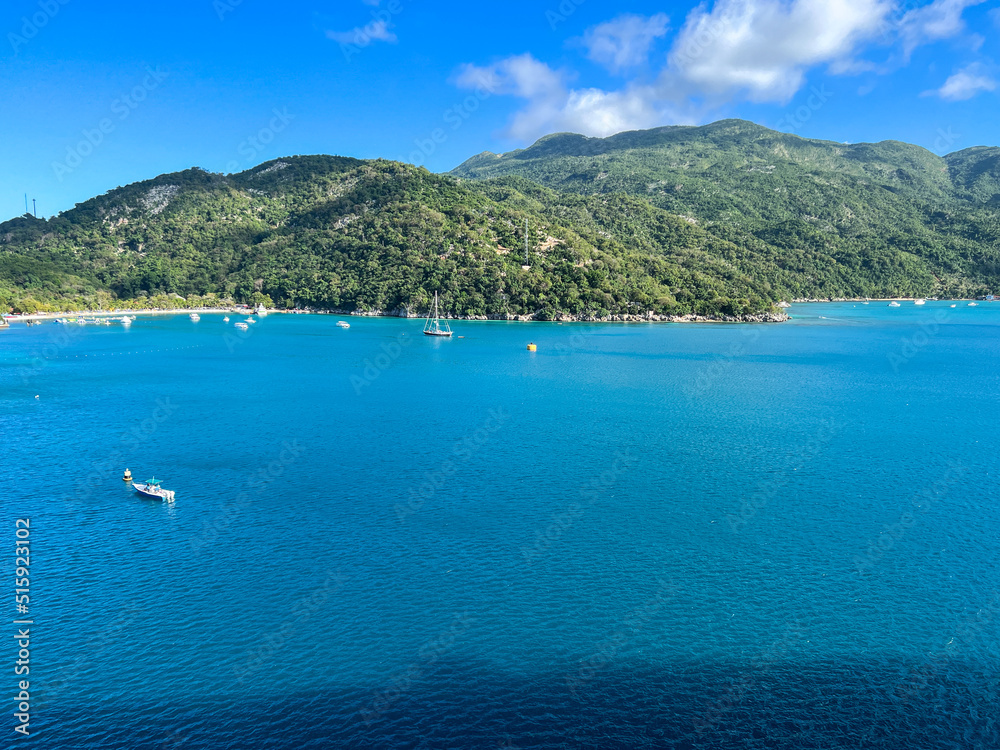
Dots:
pixel 433 325
pixel 195 317
pixel 151 488
pixel 343 324
pixel 893 304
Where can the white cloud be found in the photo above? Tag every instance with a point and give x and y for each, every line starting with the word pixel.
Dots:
pixel 362 36
pixel 941 19
pixel 964 84
pixel 521 75
pixel 730 50
pixel 552 105
pixel 763 48
pixel 625 41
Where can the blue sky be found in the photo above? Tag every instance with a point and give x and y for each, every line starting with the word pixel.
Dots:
pixel 100 94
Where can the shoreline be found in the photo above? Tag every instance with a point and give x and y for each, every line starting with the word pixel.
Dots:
pixel 766 317
pixel 804 300
pixel 10 318
pixel 762 317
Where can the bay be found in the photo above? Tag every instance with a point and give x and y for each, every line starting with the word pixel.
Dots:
pixel 641 535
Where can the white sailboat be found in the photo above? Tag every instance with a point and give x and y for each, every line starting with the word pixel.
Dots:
pixel 433 325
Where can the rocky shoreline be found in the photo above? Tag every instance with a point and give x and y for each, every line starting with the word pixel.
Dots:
pixel 649 317
pixel 764 317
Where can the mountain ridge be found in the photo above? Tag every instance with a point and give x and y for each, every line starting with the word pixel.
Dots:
pixel 723 219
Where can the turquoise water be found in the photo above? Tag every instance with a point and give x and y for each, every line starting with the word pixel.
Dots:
pixel 780 536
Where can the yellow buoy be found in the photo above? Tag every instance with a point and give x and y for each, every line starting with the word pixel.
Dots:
pixel 532 348
pixel 128 476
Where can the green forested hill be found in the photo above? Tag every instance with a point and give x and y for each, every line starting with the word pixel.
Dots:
pixel 346 234
pixel 896 216
pixel 724 219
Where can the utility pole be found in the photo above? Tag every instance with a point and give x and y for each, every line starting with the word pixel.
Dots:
pixel 25 203
pixel 34 208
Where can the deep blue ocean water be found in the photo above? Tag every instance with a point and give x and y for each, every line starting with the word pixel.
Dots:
pixel 689 536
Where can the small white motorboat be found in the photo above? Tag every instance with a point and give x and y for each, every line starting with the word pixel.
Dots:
pixel 225 319
pixel 251 320
pixel 195 317
pixel 343 324
pixel 919 301
pixel 151 488
pixel 893 304
pixel 242 326
pixel 973 304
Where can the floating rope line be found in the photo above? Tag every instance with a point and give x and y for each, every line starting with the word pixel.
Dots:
pixel 129 353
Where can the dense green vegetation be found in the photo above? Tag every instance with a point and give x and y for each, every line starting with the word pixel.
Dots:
pixel 723 219
pixel 345 234
pixel 845 220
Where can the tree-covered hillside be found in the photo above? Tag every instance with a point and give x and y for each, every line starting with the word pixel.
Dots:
pixel 898 217
pixel 721 220
pixel 345 234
